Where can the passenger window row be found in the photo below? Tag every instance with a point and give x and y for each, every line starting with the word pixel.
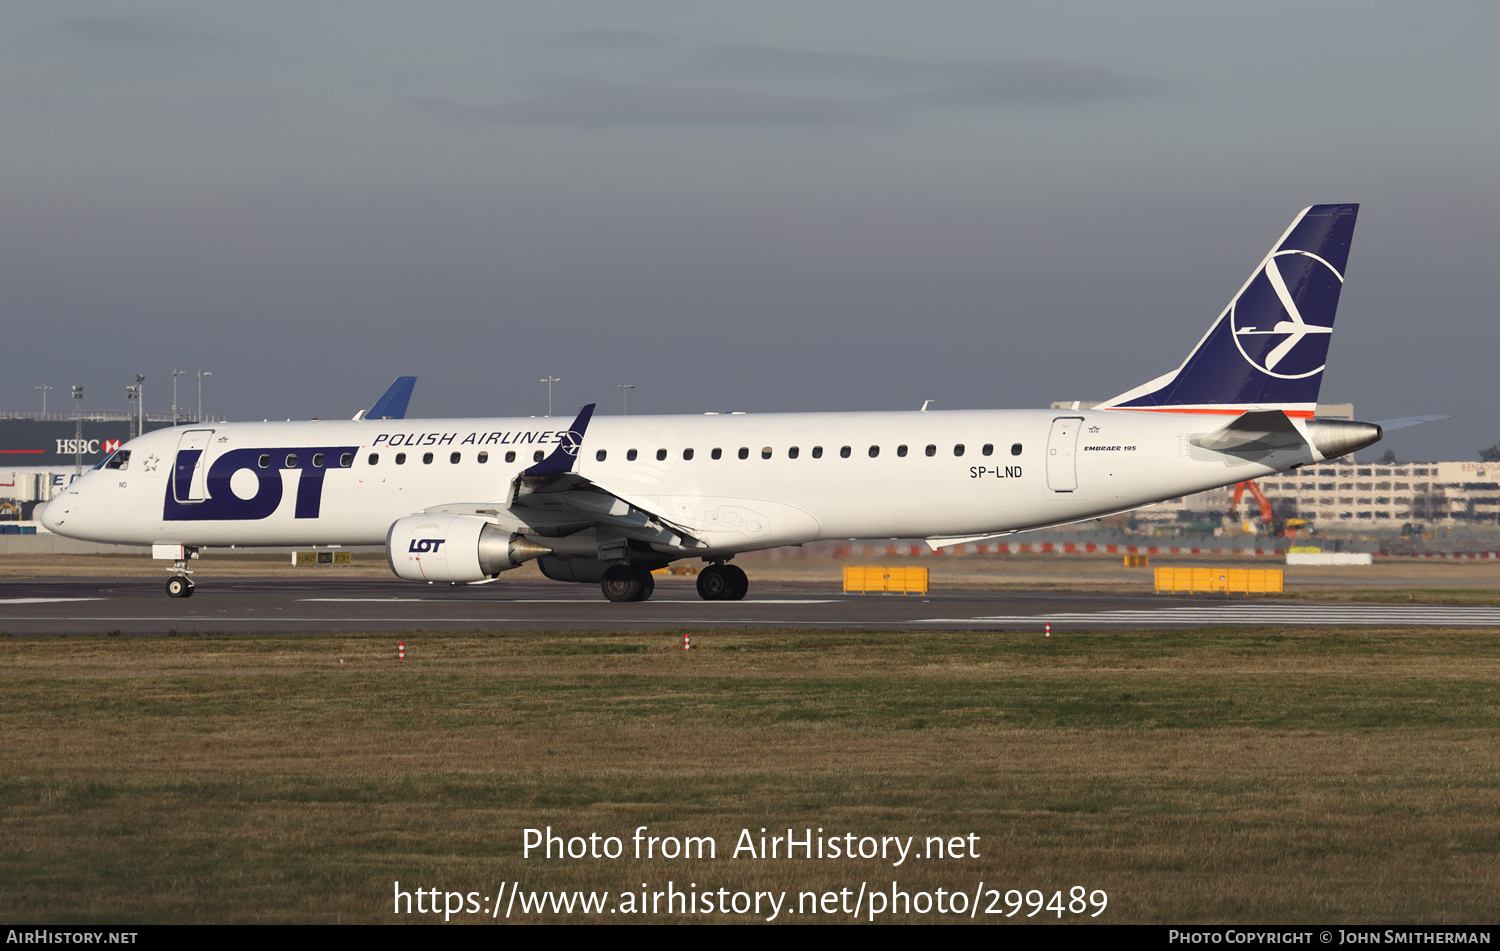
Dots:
pixel 345 461
pixel 793 452
pixel 454 458
pixel 766 452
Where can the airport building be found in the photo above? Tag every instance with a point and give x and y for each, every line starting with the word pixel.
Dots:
pixel 1357 496
pixel 41 452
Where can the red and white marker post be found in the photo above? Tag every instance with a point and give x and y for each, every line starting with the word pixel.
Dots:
pixel 401 650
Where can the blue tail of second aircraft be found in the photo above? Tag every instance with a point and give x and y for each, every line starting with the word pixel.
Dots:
pixel 1268 348
pixel 392 403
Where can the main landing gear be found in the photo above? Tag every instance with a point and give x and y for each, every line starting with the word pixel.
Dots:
pixel 715 583
pixel 722 583
pixel 627 583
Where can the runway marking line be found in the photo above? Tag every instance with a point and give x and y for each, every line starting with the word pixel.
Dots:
pixel 45 600
pixel 434 622
pixel 545 601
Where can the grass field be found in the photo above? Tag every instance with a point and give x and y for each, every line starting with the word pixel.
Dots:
pixel 1209 776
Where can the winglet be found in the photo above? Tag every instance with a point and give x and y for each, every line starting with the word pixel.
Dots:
pixel 566 453
pixel 392 403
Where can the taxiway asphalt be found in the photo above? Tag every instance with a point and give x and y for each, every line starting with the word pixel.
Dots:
pixel 97 606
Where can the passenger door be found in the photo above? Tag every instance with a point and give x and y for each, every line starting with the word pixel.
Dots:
pixel 1062 447
pixel 189 474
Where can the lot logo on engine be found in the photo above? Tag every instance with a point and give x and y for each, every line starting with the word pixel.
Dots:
pixel 425 544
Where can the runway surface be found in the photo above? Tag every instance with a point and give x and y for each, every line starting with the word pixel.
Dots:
pixel 279 605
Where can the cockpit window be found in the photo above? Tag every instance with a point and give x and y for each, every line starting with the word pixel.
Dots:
pixel 119 459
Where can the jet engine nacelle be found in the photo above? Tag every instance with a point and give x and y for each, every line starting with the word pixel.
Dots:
pixel 457 549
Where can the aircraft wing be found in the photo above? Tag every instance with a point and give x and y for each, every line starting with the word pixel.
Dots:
pixel 553 489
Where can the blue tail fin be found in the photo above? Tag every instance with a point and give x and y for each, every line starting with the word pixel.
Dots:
pixel 392 403
pixel 1268 347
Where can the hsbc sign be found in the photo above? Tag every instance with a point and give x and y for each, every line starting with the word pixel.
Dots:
pixel 31 442
pixel 88 447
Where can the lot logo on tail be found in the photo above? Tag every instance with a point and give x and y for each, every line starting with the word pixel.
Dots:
pixel 1269 328
pixel 1269 346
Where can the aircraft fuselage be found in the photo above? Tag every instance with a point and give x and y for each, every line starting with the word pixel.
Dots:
pixel 738 482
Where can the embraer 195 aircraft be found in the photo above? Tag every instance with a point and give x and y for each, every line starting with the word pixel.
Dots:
pixel 608 500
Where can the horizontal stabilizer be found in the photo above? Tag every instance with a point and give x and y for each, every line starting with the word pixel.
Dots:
pixel 1406 422
pixel 1253 434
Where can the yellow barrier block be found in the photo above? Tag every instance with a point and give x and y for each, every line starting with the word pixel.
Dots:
pixel 907 581
pixel 1219 581
pixel 1137 561
pixel 867 580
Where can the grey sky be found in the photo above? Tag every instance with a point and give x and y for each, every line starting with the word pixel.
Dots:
pixel 788 206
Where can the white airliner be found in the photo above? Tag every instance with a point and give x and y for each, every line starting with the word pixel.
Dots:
pixel 608 500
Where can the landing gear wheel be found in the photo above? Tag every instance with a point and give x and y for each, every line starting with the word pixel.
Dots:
pixel 739 585
pixel 627 583
pixel 179 587
pixel 713 584
pixel 722 583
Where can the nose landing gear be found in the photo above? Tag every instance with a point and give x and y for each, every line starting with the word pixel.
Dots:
pixel 180 585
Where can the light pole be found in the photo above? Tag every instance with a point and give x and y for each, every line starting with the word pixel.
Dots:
pixel 625 389
pixel 78 431
pixel 175 374
pixel 132 391
pixel 44 390
pixel 201 375
pixel 549 379
pixel 140 403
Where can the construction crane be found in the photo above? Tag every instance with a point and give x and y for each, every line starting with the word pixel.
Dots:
pixel 1269 524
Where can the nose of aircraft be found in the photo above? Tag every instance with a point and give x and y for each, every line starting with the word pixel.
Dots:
pixel 61 514
pixel 49 513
